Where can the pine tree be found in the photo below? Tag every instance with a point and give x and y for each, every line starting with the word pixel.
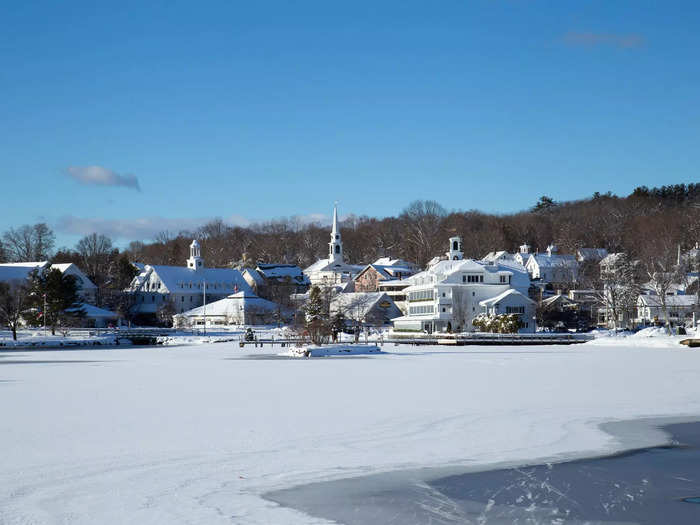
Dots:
pixel 59 292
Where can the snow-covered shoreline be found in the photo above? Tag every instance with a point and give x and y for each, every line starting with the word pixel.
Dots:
pixel 199 434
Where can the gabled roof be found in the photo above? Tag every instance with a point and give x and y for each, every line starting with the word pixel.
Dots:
pixel 281 271
pixel 544 260
pixel 507 293
pixel 671 300
pixel 19 271
pixel 323 265
pixel 177 279
pixel 360 302
pixel 231 305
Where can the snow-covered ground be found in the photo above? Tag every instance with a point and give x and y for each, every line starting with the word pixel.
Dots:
pixel 195 434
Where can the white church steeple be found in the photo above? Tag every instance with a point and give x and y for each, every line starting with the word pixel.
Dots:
pixel 335 247
pixel 195 262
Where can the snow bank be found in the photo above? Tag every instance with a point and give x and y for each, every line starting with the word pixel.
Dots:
pixel 198 434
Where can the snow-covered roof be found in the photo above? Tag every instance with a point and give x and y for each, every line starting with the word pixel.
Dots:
pixel 387 272
pixel 544 260
pixel 449 271
pixel 359 303
pixel 95 312
pixel 19 271
pixel 388 261
pixel 507 293
pixel 497 255
pixel 671 300
pixel 74 270
pixel 179 278
pixel 280 271
pixel 558 298
pixel 231 305
pixel 254 276
pixel 323 265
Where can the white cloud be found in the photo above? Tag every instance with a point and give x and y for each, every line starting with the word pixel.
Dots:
pixel 99 176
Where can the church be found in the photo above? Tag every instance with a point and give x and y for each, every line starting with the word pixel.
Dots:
pixel 333 270
pixel 183 286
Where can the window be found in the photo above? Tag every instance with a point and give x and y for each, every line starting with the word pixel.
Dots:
pixel 473 294
pixel 421 295
pixel 472 278
pixel 515 309
pixel 422 309
pixel 183 298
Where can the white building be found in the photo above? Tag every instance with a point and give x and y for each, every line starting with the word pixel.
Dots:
pixel 183 286
pixel 680 308
pixel 550 267
pixel 242 308
pixel 87 290
pixel 22 271
pixel 368 308
pixel 333 270
pixel 512 302
pixel 447 296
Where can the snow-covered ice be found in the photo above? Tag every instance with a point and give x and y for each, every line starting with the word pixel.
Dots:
pixel 196 434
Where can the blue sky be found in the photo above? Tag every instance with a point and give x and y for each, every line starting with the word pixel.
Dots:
pixel 251 111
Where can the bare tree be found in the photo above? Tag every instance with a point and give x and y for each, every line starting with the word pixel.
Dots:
pixel 619 287
pixel 95 251
pixel 13 301
pixel 29 243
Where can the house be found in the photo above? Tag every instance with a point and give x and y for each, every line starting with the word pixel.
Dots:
pixel 550 267
pixel 680 308
pixel 383 269
pixel 87 290
pixel 446 297
pixel 242 308
pixel 22 271
pixel 333 270
pixel 268 279
pixel 388 276
pixel 512 302
pixel 366 308
pixel 182 288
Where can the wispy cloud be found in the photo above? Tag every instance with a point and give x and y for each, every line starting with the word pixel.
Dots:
pixel 590 39
pixel 100 176
pixel 147 228
pixel 136 229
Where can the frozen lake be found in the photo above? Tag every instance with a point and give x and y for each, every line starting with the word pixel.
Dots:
pixel 199 434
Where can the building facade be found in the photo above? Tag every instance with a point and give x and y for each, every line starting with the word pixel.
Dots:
pixel 447 296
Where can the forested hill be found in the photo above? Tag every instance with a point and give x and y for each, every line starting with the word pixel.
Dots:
pixel 648 221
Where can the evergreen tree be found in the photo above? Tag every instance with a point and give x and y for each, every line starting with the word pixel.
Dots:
pixel 59 293
pixel 316 316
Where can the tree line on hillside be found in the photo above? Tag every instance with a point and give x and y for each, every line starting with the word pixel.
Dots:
pixel 648 223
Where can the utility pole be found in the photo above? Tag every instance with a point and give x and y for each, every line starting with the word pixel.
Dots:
pixel 44 315
pixel 204 293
